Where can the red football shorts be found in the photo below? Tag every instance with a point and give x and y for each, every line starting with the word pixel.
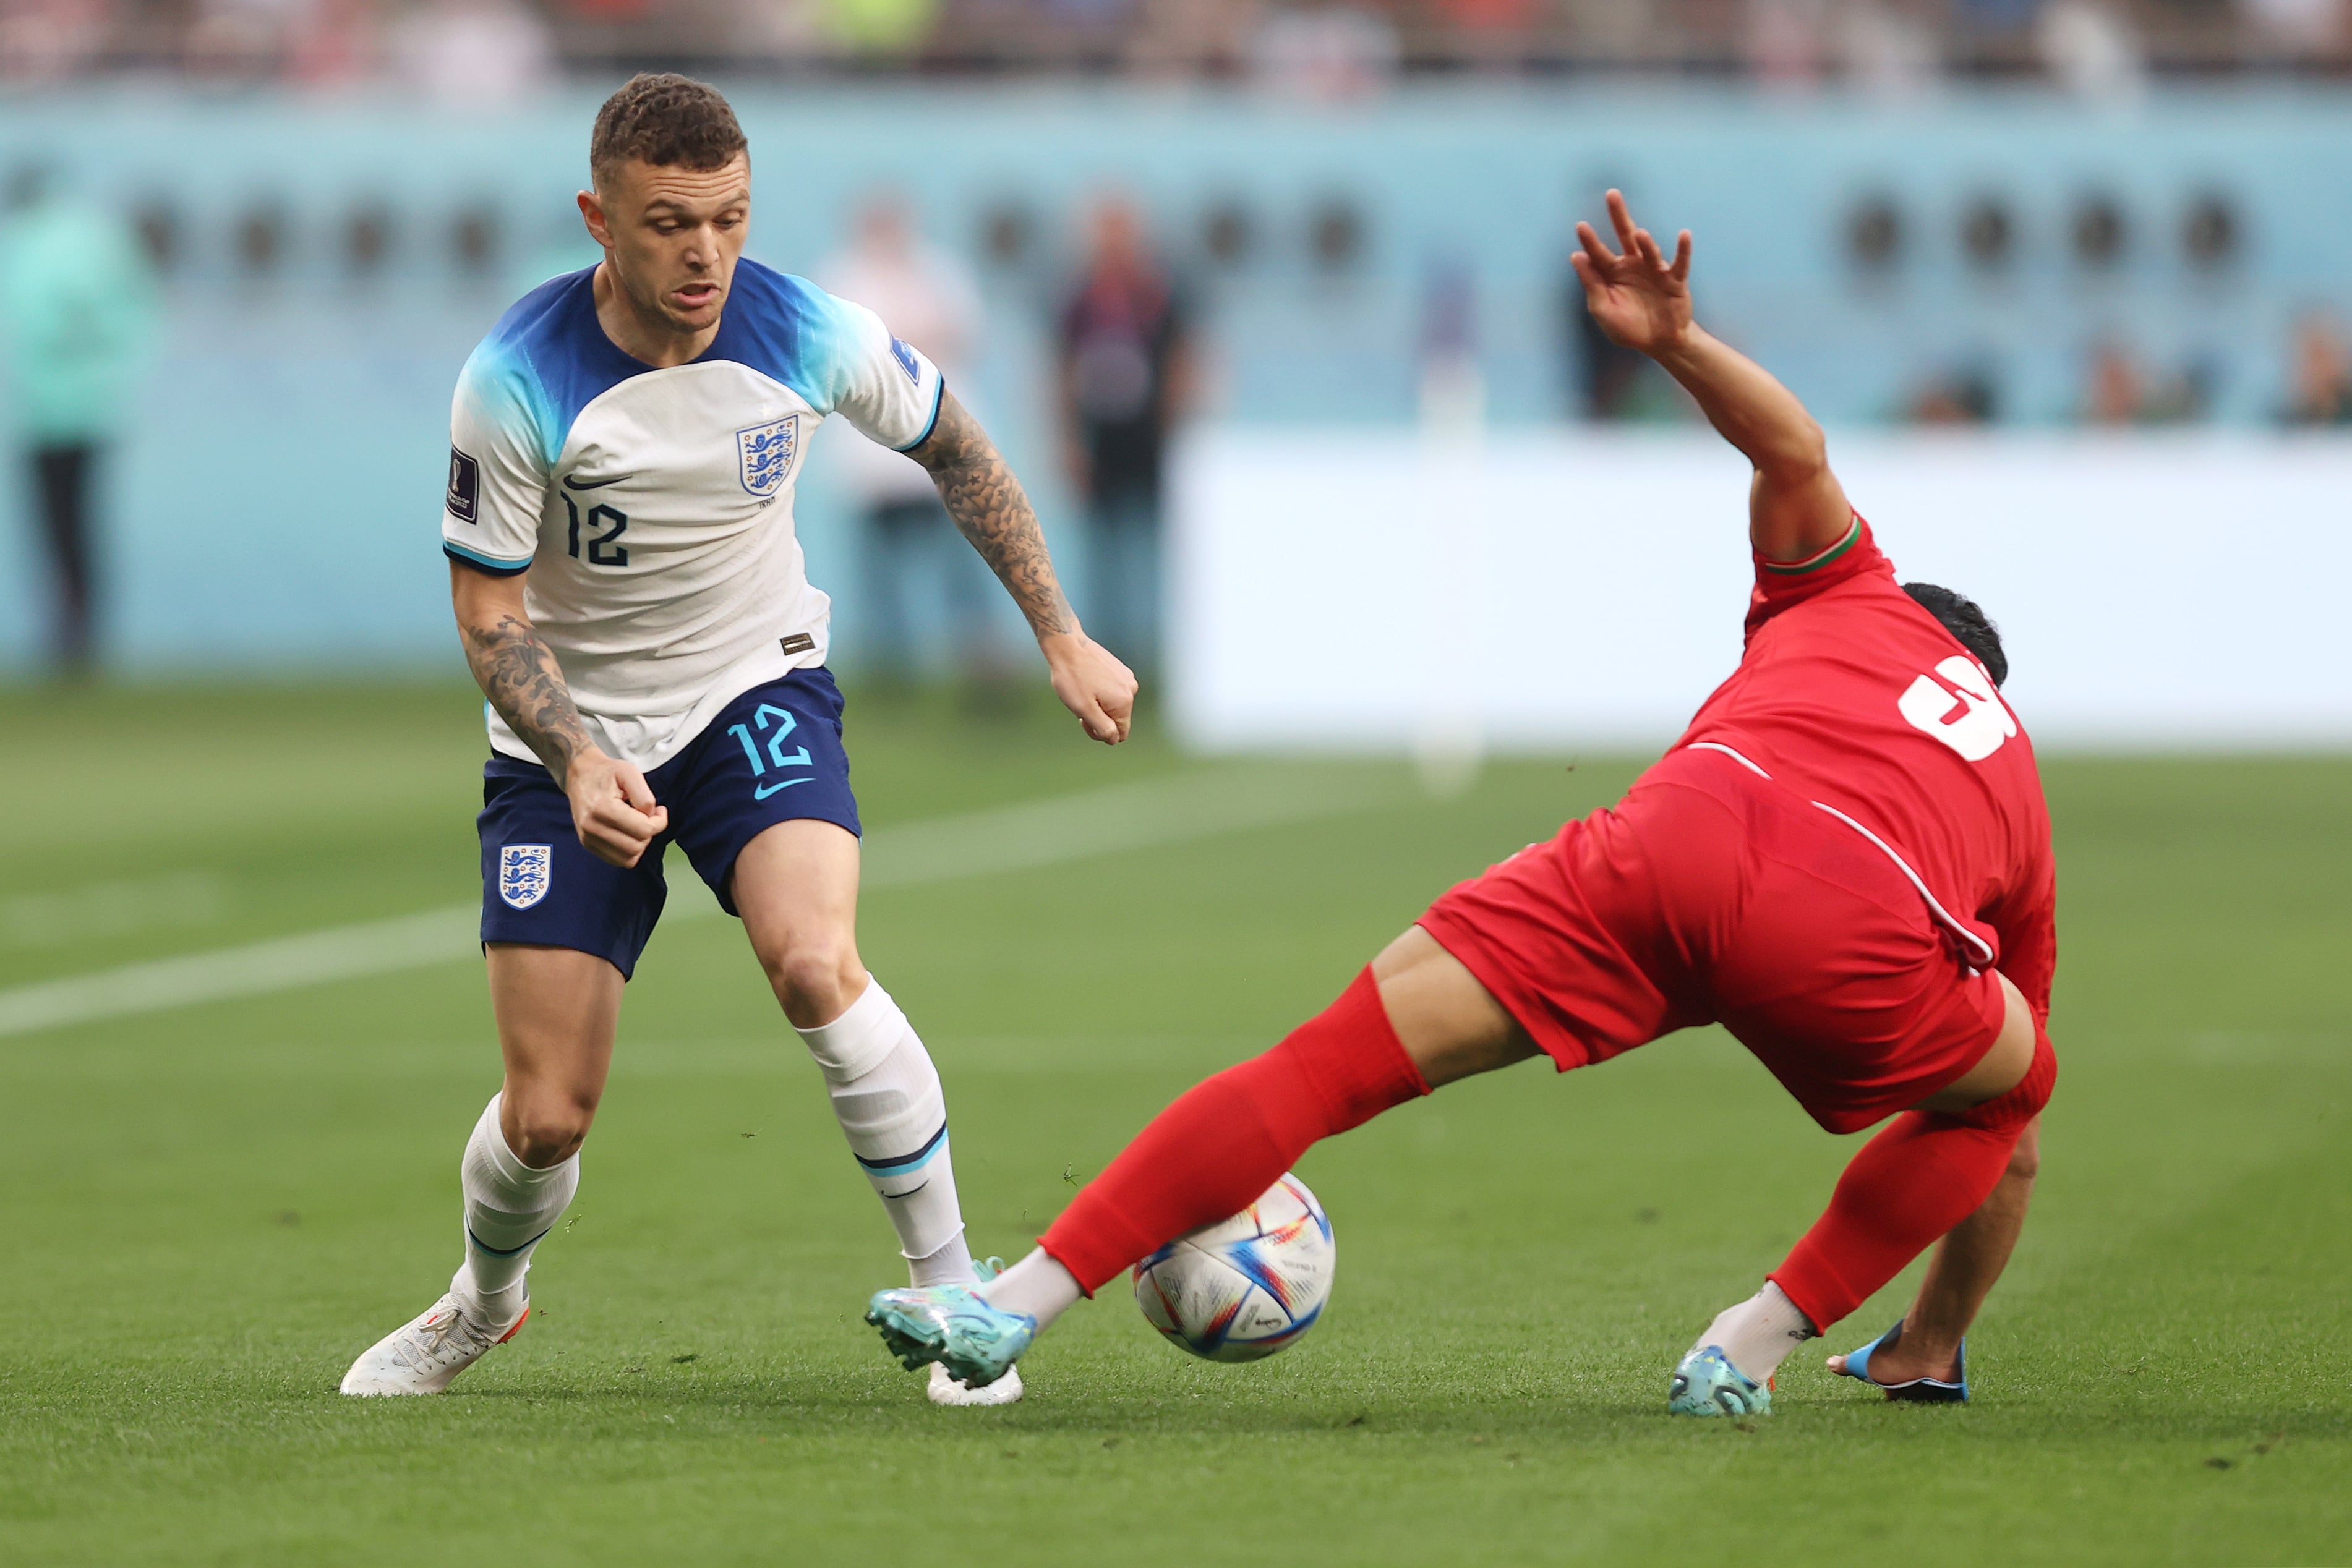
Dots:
pixel 1712 896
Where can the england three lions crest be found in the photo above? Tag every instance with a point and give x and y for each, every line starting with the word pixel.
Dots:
pixel 767 453
pixel 524 872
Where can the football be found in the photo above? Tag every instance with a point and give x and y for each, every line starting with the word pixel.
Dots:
pixel 1245 1287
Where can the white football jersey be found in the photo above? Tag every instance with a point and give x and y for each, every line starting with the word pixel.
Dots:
pixel 653 509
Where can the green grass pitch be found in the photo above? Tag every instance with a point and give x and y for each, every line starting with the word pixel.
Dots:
pixel 206 1212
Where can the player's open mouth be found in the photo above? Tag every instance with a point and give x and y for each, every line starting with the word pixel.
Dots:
pixel 695 296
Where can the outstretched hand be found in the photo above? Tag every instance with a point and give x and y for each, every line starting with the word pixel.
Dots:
pixel 1640 300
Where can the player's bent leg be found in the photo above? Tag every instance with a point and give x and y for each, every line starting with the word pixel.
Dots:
pixel 1450 1025
pixel 1926 1351
pixel 1219 1146
pixel 557 1009
pixel 1924 1172
pixel 1928 1173
pixel 2001 1068
pixel 795 886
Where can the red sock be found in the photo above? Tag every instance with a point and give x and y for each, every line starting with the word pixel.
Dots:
pixel 1925 1174
pixel 1228 1139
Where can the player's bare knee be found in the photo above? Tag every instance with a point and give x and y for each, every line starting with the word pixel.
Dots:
pixel 549 1132
pixel 815 977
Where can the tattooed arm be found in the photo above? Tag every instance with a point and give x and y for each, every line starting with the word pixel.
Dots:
pixel 992 511
pixel 611 808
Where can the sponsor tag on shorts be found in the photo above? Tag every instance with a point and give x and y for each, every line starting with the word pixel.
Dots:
pixel 524 873
pixel 798 642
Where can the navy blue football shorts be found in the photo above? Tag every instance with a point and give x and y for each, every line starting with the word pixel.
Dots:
pixel 774 755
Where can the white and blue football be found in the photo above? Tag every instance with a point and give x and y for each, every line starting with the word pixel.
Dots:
pixel 1245 1287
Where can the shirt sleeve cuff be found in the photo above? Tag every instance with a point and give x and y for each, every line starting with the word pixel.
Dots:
pixel 939 397
pixel 490 564
pixel 1819 557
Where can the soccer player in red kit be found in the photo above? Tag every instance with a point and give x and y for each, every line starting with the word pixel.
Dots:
pixel 1845 861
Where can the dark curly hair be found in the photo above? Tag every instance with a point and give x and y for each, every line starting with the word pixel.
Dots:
pixel 1965 620
pixel 665 119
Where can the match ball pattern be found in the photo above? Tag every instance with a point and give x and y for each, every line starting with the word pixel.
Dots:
pixel 1245 1287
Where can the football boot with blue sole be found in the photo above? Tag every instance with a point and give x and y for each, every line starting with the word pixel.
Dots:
pixel 1706 1384
pixel 1917 1390
pixel 954 1326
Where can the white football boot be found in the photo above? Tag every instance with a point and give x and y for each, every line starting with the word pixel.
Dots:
pixel 946 1390
pixel 426 1356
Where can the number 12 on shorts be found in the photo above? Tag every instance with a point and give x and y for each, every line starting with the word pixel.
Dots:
pixel 777 758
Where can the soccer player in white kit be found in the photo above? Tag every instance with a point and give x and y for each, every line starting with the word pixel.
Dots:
pixel 632 600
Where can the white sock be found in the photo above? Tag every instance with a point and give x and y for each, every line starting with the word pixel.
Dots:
pixel 887 1098
pixel 1757 1335
pixel 510 1210
pixel 1037 1285
pixel 951 1265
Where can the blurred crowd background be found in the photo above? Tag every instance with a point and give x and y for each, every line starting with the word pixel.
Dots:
pixel 1337 49
pixel 247 244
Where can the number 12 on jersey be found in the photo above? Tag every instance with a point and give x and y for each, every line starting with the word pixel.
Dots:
pixel 601 549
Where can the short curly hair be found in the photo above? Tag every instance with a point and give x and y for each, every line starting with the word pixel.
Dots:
pixel 1968 624
pixel 665 119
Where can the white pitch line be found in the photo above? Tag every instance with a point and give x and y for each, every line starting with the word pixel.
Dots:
pixel 978 843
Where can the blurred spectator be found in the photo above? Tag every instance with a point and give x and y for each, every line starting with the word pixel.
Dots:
pixel 2122 394
pixel 78 304
pixel 2320 386
pixel 775 32
pixel 879 27
pixel 1964 397
pixel 2091 50
pixel 1124 379
pixel 242 41
pixel 475 54
pixel 1784 43
pixel 2185 397
pixel 2296 29
pixel 1490 33
pixel 49 41
pixel 336 42
pixel 1885 52
pixel 1452 388
pixel 2115 395
pixel 1980 19
pixel 930 300
pixel 1316 49
pixel 1325 53
pixel 1192 37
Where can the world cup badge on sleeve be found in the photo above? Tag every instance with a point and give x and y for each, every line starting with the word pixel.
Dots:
pixel 524 872
pixel 767 453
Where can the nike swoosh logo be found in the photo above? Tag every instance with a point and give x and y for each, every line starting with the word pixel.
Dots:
pixel 765 791
pixel 572 484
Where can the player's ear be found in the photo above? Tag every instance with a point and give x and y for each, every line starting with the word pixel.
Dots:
pixel 592 213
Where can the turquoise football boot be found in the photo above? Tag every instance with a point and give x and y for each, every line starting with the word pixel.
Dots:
pixel 953 1325
pixel 1917 1390
pixel 1706 1384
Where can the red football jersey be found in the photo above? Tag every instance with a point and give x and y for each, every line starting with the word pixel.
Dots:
pixel 1854 696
